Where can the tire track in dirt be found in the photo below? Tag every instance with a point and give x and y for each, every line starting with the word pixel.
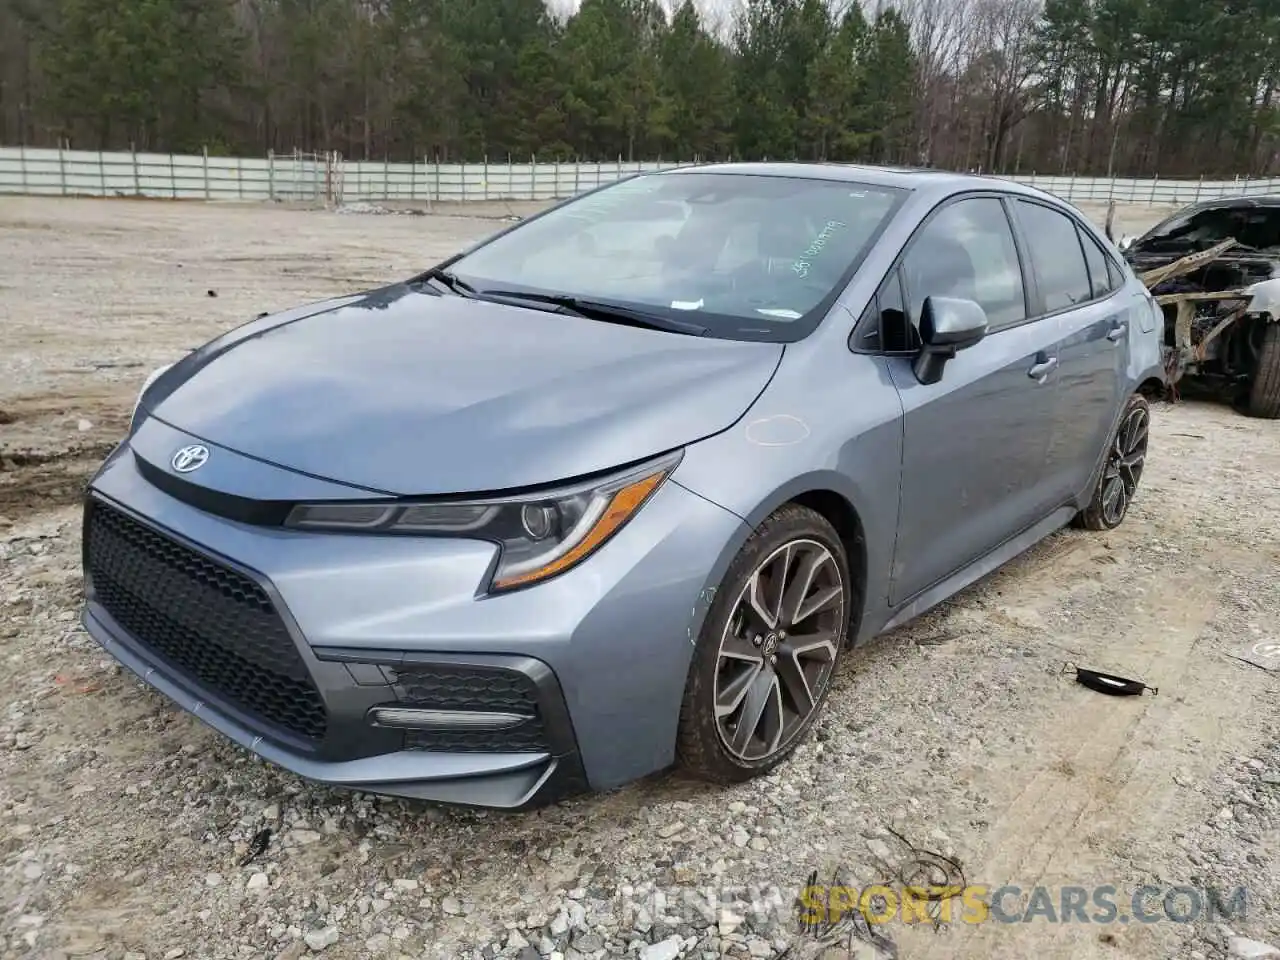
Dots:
pixel 1072 819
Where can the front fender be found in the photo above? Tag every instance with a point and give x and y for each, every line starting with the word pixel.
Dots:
pixel 832 424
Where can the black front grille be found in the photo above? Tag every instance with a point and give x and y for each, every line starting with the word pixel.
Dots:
pixel 473 688
pixel 209 621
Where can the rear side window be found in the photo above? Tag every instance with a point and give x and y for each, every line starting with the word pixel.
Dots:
pixel 1056 256
pixel 1101 275
pixel 967 251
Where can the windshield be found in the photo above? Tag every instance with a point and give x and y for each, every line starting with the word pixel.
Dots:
pixel 746 257
pixel 1252 226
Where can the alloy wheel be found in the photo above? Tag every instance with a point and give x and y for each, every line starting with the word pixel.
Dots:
pixel 778 649
pixel 1124 466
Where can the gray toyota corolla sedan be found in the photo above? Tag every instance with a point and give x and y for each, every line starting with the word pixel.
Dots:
pixel 617 487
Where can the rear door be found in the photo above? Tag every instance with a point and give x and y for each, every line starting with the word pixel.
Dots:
pixel 974 443
pixel 1074 297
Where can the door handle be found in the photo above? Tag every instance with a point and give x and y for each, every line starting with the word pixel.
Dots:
pixel 1040 371
pixel 1117 333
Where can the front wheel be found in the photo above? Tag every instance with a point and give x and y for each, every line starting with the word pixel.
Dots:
pixel 768 649
pixel 1126 457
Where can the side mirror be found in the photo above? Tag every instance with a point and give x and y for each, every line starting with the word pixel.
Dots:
pixel 947 324
pixel 1125 243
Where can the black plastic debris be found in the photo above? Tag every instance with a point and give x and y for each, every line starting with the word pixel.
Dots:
pixel 211 293
pixel 257 846
pixel 1110 684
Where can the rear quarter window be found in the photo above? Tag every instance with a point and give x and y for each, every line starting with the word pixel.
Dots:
pixel 1102 274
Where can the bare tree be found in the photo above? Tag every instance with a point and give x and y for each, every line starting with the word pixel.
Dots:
pixel 939 32
pixel 1001 68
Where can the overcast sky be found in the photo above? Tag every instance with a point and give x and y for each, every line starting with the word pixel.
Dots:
pixel 715 11
pixel 710 6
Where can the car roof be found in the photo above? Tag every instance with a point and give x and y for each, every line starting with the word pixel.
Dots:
pixel 907 178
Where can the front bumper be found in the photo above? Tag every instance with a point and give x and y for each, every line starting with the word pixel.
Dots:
pixel 597 657
pixel 509 781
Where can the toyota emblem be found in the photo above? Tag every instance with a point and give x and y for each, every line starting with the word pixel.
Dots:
pixel 190 458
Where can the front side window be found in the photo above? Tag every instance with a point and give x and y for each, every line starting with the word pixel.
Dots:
pixel 967 251
pixel 1056 256
pixel 747 257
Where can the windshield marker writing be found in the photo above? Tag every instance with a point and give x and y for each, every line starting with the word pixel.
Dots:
pixel 805 261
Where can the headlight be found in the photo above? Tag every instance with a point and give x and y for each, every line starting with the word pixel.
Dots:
pixel 541 534
pixel 152 377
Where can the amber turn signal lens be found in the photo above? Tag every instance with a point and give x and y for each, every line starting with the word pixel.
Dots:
pixel 622 505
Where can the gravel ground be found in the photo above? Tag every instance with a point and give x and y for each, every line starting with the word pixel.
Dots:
pixel 124 823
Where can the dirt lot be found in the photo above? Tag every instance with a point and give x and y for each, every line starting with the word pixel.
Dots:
pixel 122 821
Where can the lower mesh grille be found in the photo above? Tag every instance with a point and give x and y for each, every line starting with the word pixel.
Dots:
pixel 210 622
pixel 473 688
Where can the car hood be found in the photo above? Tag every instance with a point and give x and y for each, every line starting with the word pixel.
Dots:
pixel 405 392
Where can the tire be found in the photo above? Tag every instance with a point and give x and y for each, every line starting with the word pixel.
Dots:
pixel 1122 469
pixel 1264 392
pixel 741 662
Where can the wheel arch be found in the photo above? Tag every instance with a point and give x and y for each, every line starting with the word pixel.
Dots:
pixel 840 513
pixel 1153 388
pixel 822 493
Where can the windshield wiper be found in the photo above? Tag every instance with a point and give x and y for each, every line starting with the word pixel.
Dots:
pixel 597 310
pixel 450 281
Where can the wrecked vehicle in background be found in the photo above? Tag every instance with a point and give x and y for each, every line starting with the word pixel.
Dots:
pixel 1214 267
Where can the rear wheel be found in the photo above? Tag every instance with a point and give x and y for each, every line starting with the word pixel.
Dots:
pixel 768 649
pixel 1126 457
pixel 1264 393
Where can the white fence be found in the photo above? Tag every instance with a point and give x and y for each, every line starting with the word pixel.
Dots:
pixel 84 173
pixel 326 178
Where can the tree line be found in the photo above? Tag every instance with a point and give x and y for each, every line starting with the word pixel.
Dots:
pixel 1130 87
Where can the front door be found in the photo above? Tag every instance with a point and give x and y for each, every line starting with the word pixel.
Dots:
pixel 974 443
